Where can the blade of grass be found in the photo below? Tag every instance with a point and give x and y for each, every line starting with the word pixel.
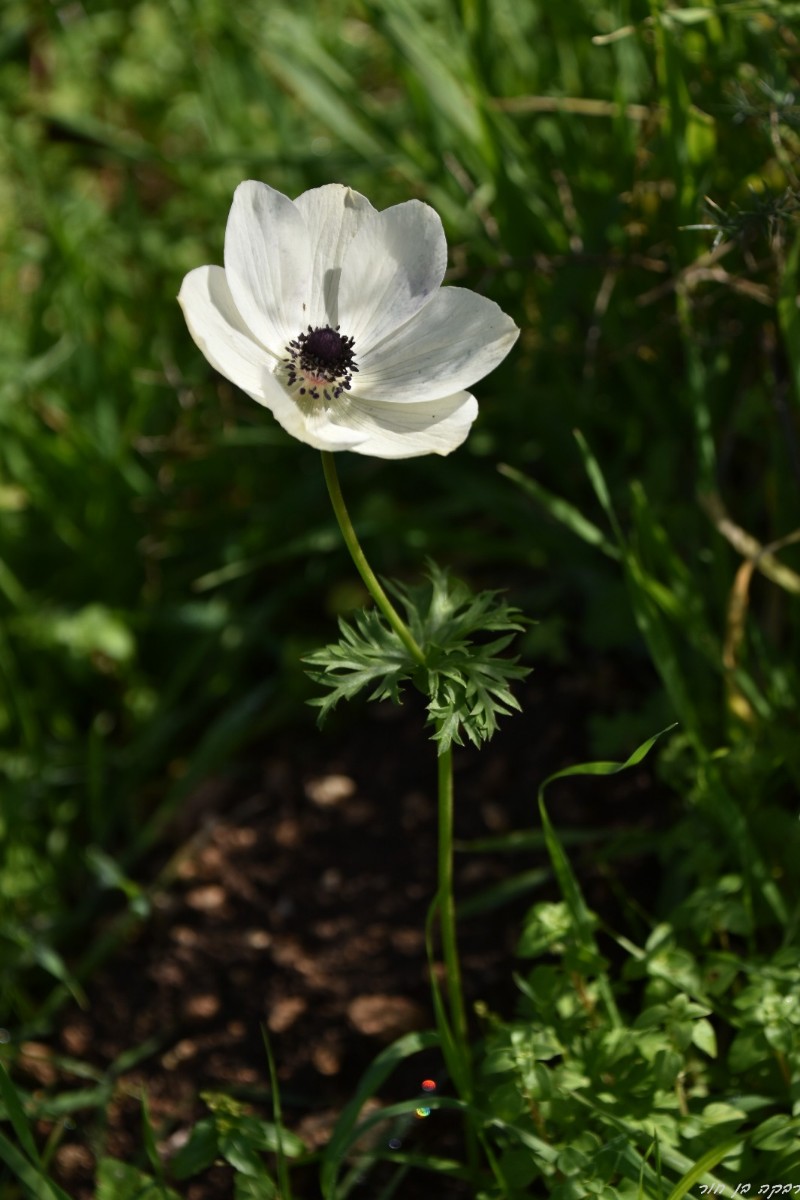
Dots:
pixel 789 314
pixel 378 1071
pixel 562 511
pixel 284 1181
pixel 37 1186
pixel 16 1115
pixel 149 1138
pixel 704 1164
pixel 27 1169
pixel 568 883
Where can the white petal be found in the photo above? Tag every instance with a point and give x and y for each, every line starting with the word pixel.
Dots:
pixel 225 340
pixel 409 430
pixel 315 428
pixel 268 263
pixel 220 332
pixel 393 265
pixel 455 340
pixel 312 425
pixel 333 215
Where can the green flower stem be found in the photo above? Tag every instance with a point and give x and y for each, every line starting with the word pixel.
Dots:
pixel 447 910
pixel 362 566
pixel 446 903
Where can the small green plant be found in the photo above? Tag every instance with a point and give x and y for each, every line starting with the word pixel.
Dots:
pixel 380 371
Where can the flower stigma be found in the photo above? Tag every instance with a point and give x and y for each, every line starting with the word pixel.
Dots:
pixel 320 363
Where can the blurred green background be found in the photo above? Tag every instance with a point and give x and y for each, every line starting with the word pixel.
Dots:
pixel 167 553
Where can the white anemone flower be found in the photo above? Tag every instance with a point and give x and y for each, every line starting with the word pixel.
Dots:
pixel 331 315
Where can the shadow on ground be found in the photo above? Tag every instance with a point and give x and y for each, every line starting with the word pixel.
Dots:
pixel 300 883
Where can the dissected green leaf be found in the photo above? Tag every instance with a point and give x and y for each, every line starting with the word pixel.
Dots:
pixel 466 678
pixel 367 655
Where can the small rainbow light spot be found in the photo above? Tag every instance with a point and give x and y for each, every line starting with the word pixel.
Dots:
pixel 422 1111
pixel 429 1085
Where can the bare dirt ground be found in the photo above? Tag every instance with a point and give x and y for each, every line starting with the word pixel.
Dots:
pixel 297 902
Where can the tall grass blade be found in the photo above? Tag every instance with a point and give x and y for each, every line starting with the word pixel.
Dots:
pixel 284 1180
pixel 344 1134
pixel 16 1115
pixel 562 511
pixel 701 1168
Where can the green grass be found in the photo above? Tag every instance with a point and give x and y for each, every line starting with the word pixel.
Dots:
pixel 167 557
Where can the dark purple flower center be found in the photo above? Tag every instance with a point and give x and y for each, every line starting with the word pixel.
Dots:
pixel 320 362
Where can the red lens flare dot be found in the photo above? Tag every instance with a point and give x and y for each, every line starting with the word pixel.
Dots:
pixel 429 1085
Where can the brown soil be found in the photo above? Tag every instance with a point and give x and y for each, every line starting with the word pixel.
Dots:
pixel 297 901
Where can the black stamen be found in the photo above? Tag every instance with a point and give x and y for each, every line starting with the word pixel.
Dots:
pixel 321 356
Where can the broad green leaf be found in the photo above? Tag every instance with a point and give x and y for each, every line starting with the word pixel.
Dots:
pixel 119 1181
pixel 238 1149
pixel 704 1037
pixel 198 1152
pixel 777 1134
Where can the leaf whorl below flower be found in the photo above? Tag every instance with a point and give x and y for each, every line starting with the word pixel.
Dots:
pixel 466 679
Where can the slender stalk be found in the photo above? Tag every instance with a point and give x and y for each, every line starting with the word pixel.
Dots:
pixel 445 901
pixel 447 908
pixel 362 566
